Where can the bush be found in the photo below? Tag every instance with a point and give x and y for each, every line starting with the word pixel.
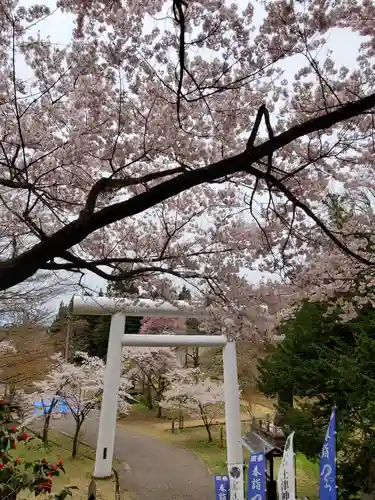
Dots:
pixel 17 474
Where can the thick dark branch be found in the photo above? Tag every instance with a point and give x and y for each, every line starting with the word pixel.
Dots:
pixel 16 184
pixel 109 183
pixel 79 263
pixel 25 265
pixel 255 129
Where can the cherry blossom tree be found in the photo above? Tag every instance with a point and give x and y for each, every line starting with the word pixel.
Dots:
pixel 184 149
pixel 201 397
pixel 26 303
pixel 23 400
pixel 84 390
pixel 79 386
pixel 150 366
pixel 7 347
pixel 50 391
pixel 162 325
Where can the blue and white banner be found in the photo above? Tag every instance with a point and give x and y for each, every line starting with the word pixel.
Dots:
pixel 221 487
pixel 327 487
pixel 256 479
pixel 43 407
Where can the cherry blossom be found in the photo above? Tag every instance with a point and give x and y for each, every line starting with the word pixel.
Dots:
pixel 79 385
pixel 200 397
pixel 160 325
pixel 171 138
pixel 7 347
pixel 155 368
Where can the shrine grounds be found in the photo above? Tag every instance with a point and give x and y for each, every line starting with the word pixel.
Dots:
pixel 194 438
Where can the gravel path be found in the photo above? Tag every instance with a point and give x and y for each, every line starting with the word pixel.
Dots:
pixel 153 470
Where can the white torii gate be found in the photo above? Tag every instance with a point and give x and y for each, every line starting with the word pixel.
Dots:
pixel 119 309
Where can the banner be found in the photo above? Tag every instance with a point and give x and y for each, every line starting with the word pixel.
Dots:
pixel 327 486
pixel 256 479
pixel 41 408
pixel 221 487
pixel 286 478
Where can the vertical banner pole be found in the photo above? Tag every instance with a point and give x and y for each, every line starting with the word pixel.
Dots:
pixel 233 423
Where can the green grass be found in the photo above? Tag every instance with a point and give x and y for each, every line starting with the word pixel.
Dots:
pixel 307 476
pixel 195 439
pixel 78 471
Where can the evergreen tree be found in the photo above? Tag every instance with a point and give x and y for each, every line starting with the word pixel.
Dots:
pixel 60 318
pixel 323 363
pixel 91 332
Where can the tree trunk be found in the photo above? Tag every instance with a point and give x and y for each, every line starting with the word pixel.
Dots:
pixel 208 429
pixel 160 411
pixel 148 395
pixel 46 428
pixel 75 438
pixel 159 396
pixel 206 423
pixel 196 357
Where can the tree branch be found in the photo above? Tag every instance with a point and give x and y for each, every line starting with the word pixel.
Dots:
pixel 109 183
pixel 26 264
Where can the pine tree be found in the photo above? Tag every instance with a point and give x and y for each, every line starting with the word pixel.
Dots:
pixel 326 363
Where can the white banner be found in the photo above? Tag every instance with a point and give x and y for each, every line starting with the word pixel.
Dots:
pixel 286 478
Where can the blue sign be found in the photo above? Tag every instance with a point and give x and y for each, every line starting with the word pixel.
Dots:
pixel 221 487
pixel 42 408
pixel 327 486
pixel 256 479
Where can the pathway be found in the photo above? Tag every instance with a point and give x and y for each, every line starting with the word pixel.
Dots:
pixel 156 470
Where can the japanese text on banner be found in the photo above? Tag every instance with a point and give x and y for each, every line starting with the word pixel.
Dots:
pixel 286 478
pixel 256 489
pixel 327 487
pixel 221 487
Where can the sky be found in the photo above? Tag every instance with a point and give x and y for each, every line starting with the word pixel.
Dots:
pixel 59 27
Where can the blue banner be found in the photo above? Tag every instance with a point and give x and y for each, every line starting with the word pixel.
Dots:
pixel 327 486
pixel 221 487
pixel 256 479
pixel 41 408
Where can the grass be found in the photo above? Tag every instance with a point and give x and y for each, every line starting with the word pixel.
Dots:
pixel 194 438
pixel 78 471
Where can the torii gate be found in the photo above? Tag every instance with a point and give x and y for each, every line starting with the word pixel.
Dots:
pixel 119 309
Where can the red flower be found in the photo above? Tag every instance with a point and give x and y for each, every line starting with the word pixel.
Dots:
pixel 46 486
pixel 1 466
pixel 49 474
pixel 53 467
pixel 25 435
pixel 14 428
pixel 18 460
